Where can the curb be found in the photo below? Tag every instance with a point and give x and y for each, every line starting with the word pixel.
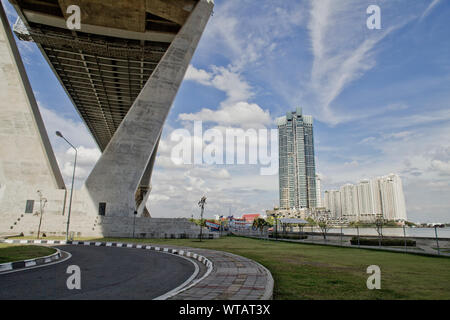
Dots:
pixel 24 264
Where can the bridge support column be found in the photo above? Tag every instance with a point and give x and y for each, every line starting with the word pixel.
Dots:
pixel 114 181
pixel 27 161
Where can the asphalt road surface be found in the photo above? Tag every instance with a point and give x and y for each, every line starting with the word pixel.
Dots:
pixel 106 273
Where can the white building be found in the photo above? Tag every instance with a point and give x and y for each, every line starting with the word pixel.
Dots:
pixel 366 201
pixel 369 199
pixel 318 192
pixel 392 198
pixel 332 201
pixel 349 202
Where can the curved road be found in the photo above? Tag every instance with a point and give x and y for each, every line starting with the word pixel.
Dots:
pixel 106 273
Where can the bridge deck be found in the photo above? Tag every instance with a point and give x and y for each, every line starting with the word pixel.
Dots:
pixel 105 65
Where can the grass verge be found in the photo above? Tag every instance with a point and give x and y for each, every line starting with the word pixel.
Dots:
pixel 11 253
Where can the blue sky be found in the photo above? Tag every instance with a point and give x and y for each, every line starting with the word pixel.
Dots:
pixel 380 99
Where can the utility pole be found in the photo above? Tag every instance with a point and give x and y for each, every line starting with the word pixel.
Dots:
pixel 201 204
pixel 437 240
pixel 134 222
pixel 59 134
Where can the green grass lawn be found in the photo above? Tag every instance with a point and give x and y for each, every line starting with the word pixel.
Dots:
pixel 11 253
pixel 304 271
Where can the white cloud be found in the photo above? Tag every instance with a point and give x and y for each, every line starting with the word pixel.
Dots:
pixel 224 79
pixel 343 51
pixel 441 166
pixel 241 114
pixel 86 160
pixel 274 21
pixel 154 197
pixel 430 8
pixel 74 130
pixel 198 75
pixel 77 133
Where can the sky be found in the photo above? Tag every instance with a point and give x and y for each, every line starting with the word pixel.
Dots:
pixel 380 100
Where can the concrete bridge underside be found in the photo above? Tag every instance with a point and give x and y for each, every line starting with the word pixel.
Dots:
pixel 122 71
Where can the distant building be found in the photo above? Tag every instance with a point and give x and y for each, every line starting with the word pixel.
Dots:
pixel 332 201
pixel 297 170
pixel 392 198
pixel 250 217
pixel 318 192
pixel 349 202
pixel 369 200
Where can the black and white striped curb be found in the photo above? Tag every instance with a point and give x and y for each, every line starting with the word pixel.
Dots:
pixel 4 267
pixel 188 254
pixel 182 253
pixel 33 241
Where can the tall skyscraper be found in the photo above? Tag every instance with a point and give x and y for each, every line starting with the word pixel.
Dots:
pixel 297 172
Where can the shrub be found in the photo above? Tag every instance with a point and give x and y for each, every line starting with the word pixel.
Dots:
pixel 385 242
pixel 290 236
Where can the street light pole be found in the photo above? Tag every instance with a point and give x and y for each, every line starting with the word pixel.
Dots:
pixel 59 134
pixel 134 222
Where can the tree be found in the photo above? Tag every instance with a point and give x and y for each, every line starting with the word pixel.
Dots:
pixel 260 224
pixel 379 222
pixel 270 221
pixel 324 226
pixel 42 202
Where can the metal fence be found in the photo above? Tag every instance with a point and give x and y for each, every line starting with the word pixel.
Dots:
pixel 315 235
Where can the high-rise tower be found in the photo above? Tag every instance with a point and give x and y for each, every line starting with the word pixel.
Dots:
pixel 297 172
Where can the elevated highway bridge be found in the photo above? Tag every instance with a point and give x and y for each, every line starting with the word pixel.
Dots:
pixel 121 70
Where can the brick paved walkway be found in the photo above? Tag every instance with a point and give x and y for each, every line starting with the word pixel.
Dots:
pixel 232 278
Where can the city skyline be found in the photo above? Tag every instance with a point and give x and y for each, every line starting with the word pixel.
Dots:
pixel 368 200
pixel 380 106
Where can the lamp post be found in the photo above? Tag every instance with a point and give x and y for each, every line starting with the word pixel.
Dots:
pixel 59 134
pixel 134 222
pixel 437 240
pixel 276 226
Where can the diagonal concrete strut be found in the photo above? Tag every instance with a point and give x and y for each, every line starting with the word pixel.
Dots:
pixel 117 175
